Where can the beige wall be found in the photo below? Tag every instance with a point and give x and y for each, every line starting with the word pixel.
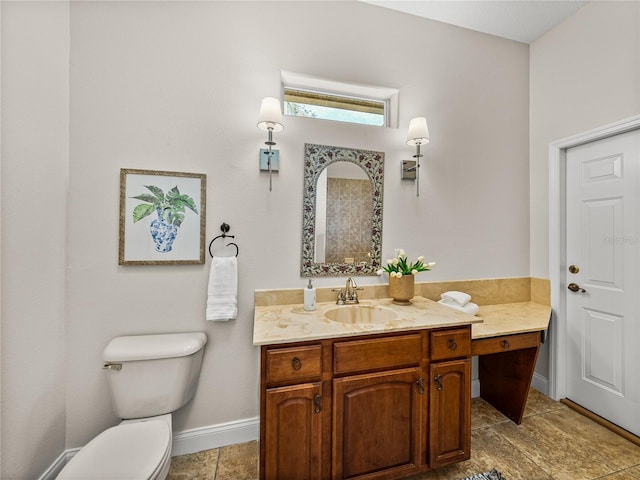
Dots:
pixel 35 157
pixel 584 74
pixel 177 86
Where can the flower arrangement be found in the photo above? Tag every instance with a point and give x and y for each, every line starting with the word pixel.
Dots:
pixel 399 266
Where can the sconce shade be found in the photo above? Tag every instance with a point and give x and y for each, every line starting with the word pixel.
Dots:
pixel 418 132
pixel 270 115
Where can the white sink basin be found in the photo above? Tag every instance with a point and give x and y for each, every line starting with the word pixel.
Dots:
pixel 361 314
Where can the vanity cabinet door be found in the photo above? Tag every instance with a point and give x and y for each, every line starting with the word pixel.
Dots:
pixel 377 420
pixel 449 412
pixel 293 432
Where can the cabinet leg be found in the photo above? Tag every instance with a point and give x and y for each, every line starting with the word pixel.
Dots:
pixel 505 379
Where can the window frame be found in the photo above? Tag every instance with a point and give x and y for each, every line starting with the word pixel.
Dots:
pixel 387 97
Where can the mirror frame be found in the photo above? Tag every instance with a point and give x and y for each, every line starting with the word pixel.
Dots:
pixel 316 159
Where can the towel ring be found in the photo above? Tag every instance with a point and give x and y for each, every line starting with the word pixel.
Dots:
pixel 225 228
pixel 237 249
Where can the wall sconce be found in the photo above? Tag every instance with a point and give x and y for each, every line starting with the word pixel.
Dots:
pixel 270 119
pixel 418 135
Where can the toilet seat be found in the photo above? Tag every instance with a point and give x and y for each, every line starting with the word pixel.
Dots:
pixel 136 450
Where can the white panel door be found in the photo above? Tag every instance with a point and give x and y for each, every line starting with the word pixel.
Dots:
pixel 603 279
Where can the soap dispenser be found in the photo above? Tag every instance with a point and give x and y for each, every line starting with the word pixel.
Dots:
pixel 310 297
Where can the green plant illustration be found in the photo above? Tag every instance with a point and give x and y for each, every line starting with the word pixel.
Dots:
pixel 170 207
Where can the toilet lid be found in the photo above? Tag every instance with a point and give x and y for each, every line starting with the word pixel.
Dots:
pixel 127 451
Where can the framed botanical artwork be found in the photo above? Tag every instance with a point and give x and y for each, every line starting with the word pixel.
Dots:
pixel 162 217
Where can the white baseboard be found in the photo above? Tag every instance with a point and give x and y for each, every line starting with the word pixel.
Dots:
pixel 540 383
pixel 215 436
pixel 189 441
pixel 475 388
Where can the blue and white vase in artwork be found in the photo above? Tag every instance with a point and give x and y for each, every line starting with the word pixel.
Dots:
pixel 163 233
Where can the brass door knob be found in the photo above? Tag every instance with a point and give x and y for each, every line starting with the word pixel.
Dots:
pixel 574 287
pixel 574 269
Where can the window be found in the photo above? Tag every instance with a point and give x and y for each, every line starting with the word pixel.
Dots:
pixel 306 96
pixel 305 103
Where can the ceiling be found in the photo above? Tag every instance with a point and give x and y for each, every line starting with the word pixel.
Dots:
pixel 520 20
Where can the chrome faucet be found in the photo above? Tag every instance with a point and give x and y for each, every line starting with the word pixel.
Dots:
pixel 348 294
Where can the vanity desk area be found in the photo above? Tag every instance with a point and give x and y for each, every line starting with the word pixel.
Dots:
pixel 387 393
pixel 507 344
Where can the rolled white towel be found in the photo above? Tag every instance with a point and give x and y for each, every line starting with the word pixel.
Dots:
pixel 470 307
pixel 460 298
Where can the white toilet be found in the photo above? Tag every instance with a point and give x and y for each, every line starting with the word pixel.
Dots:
pixel 149 376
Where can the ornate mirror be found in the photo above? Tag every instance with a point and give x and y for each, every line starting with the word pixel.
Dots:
pixel 341 211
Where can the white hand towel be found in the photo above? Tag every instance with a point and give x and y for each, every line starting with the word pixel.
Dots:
pixel 469 307
pixel 222 291
pixel 460 298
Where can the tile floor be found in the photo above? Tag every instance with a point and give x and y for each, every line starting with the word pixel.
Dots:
pixel 553 442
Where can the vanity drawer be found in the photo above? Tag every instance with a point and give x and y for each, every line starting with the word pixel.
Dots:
pixel 294 364
pixel 451 344
pixel 389 352
pixel 504 343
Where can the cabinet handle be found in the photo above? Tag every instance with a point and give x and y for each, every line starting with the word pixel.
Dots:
pixel 438 380
pixel 296 363
pixel 452 344
pixel 420 384
pixel 505 344
pixel 317 402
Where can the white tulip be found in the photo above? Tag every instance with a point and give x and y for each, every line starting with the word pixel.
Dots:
pixel 431 264
pixel 414 272
pixel 421 258
pixel 395 261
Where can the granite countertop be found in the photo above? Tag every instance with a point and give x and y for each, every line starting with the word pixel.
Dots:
pixel 277 324
pixel 291 323
pixel 511 318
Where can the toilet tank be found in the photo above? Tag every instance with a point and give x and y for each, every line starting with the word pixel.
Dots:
pixel 152 375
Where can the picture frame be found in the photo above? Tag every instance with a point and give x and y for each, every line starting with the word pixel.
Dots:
pixel 162 217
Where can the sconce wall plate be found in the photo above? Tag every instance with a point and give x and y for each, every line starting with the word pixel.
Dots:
pixel 264 160
pixel 408 170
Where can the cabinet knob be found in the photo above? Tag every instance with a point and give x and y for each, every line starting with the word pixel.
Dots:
pixel 505 344
pixel 452 344
pixel 296 363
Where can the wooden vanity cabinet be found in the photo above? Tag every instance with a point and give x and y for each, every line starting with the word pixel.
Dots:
pixel 293 413
pixel 377 425
pixel 450 413
pixel 450 397
pixel 369 407
pixel 293 433
pixel 379 400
